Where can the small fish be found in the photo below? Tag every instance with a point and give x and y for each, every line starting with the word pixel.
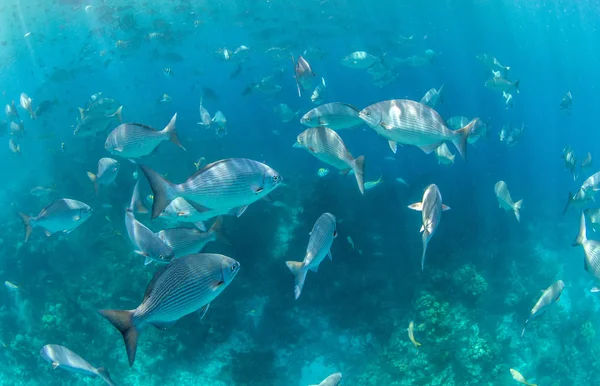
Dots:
pixel 322 172
pixel 501 84
pixel 318 93
pixel 332 380
pixel 517 376
pixel 360 60
pixel 508 99
pixel 593 215
pixel 41 191
pixel 411 334
pixel 14 146
pixel 62 215
pixel 17 129
pixel 431 208
pixel 284 112
pixel 303 74
pixel 432 97
pixel 186 241
pixel 327 146
pixel 570 161
pixel 62 357
pixel 165 98
pixel 185 285
pixel 444 155
pixel 11 286
pixel 133 140
pixel 205 119
pixel 567 102
pixel 221 123
pixel 371 184
pixel 167 72
pixel 335 115
pixel 319 245
pixel 351 242
pixel 505 201
pixel 11 111
pixel 591 249
pixel 26 104
pixel 108 168
pixel 549 296
pixel 96 121
pixel 401 180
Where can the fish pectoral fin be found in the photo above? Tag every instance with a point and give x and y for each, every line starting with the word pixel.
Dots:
pixel 240 211
pixel 55 365
pixel 430 148
pixel 330 255
pixel 422 228
pixel 416 206
pixel 147 261
pixel 202 311
pixel 162 325
pixel 257 189
pixel 216 285
pixel 393 146
pixel 445 207
pixel 76 217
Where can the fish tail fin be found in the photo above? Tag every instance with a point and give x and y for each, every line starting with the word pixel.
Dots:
pixel 217 230
pixel 524 327
pixel 104 374
pixel 461 141
pixel 581 236
pixel 27 223
pixel 119 114
pixel 425 240
pixel 94 179
pixel 123 321
pixel 171 131
pixel 299 271
pixel 137 205
pixel 358 165
pixel 569 200
pixel 517 209
pixel 163 190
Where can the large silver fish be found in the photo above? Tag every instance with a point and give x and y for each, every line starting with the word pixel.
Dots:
pixel 332 380
pixel 431 209
pixel 96 121
pixel 186 241
pixel 505 201
pixel 108 168
pixel 186 285
pixel 133 140
pixel 62 357
pixel 222 185
pixel 412 123
pixel 335 115
pixel 591 249
pixel 62 215
pixel 327 146
pixel 319 246
pixel 549 296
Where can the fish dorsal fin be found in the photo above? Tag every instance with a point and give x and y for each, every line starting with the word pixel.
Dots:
pixel 445 207
pixel 352 107
pixel 163 325
pixel 240 211
pixel 152 283
pixel 202 311
pixel 55 365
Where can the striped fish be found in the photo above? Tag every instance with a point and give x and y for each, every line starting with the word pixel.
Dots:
pixel 184 286
pixel 335 115
pixel 412 123
pixel 303 74
pixel 319 246
pixel 549 296
pixel 62 357
pixel 108 168
pixel 505 201
pixel 222 185
pixel 327 146
pixel 591 248
pixel 146 242
pixel 431 208
pixel 62 215
pixel 179 210
pixel 133 140
pixel 186 241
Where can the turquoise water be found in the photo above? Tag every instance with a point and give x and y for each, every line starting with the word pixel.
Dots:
pixel 484 270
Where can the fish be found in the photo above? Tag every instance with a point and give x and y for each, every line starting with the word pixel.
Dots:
pixel 478 131
pixel 549 296
pixel 11 111
pixel 593 215
pixel 508 99
pixel 63 215
pixel 303 74
pixel 26 104
pixel 579 199
pixel 432 97
pixel 41 191
pixel 199 163
pixel 319 245
pixel 186 241
pixel 108 168
pixel 14 146
pixel 334 115
pixel 165 98
pixel 284 112
pixel 591 249
pixel 93 123
pixel 11 286
pixel 431 209
pixel 591 185
pixel 134 140
pixel 185 285
pixel 332 380
pixel 570 161
pixel 221 123
pixel 444 155
pixel 327 146
pixel 350 241
pixel 17 129
pixel 491 63
pixel 411 334
pixel 322 172
pixel 318 93
pixel 501 84
pixel 505 201
pixel 167 72
pixel 371 184
pixel 221 185
pixel 412 123
pixel 517 376
pixel 205 119
pixel 360 60
pixel 567 102
pixel 62 357
pixel 401 180
pixel 586 163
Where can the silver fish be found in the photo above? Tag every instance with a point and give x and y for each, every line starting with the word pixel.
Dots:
pixel 578 199
pixel 570 161
pixel 26 104
pixel 505 201
pixel 133 140
pixel 14 146
pixel 62 215
pixel 222 185
pixel 491 63
pixel 303 74
pixel 593 215
pixel 284 112
pixel 11 110
pixel 179 210
pixel 146 242
pixel 586 163
pixel 205 119
pixel 412 123
pixel 501 84
pixel 319 245
pixel 186 285
pixel 432 97
pixel 95 123
pixel 318 93
pixel 567 102
pixel 591 249
pixel 17 129
pixel 327 146
pixel 332 380
pixel 360 60
pixel 431 209
pixel 62 357
pixel 550 296
pixel 108 168
pixel 444 155
pixel 335 115
pixel 186 241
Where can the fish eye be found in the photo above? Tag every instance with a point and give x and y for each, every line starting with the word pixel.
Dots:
pixel 275 178
pixel 234 266
pixel 368 114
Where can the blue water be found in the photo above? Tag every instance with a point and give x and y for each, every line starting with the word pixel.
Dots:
pixel 484 270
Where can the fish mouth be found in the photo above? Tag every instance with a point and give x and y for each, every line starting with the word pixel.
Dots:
pixel 297 145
